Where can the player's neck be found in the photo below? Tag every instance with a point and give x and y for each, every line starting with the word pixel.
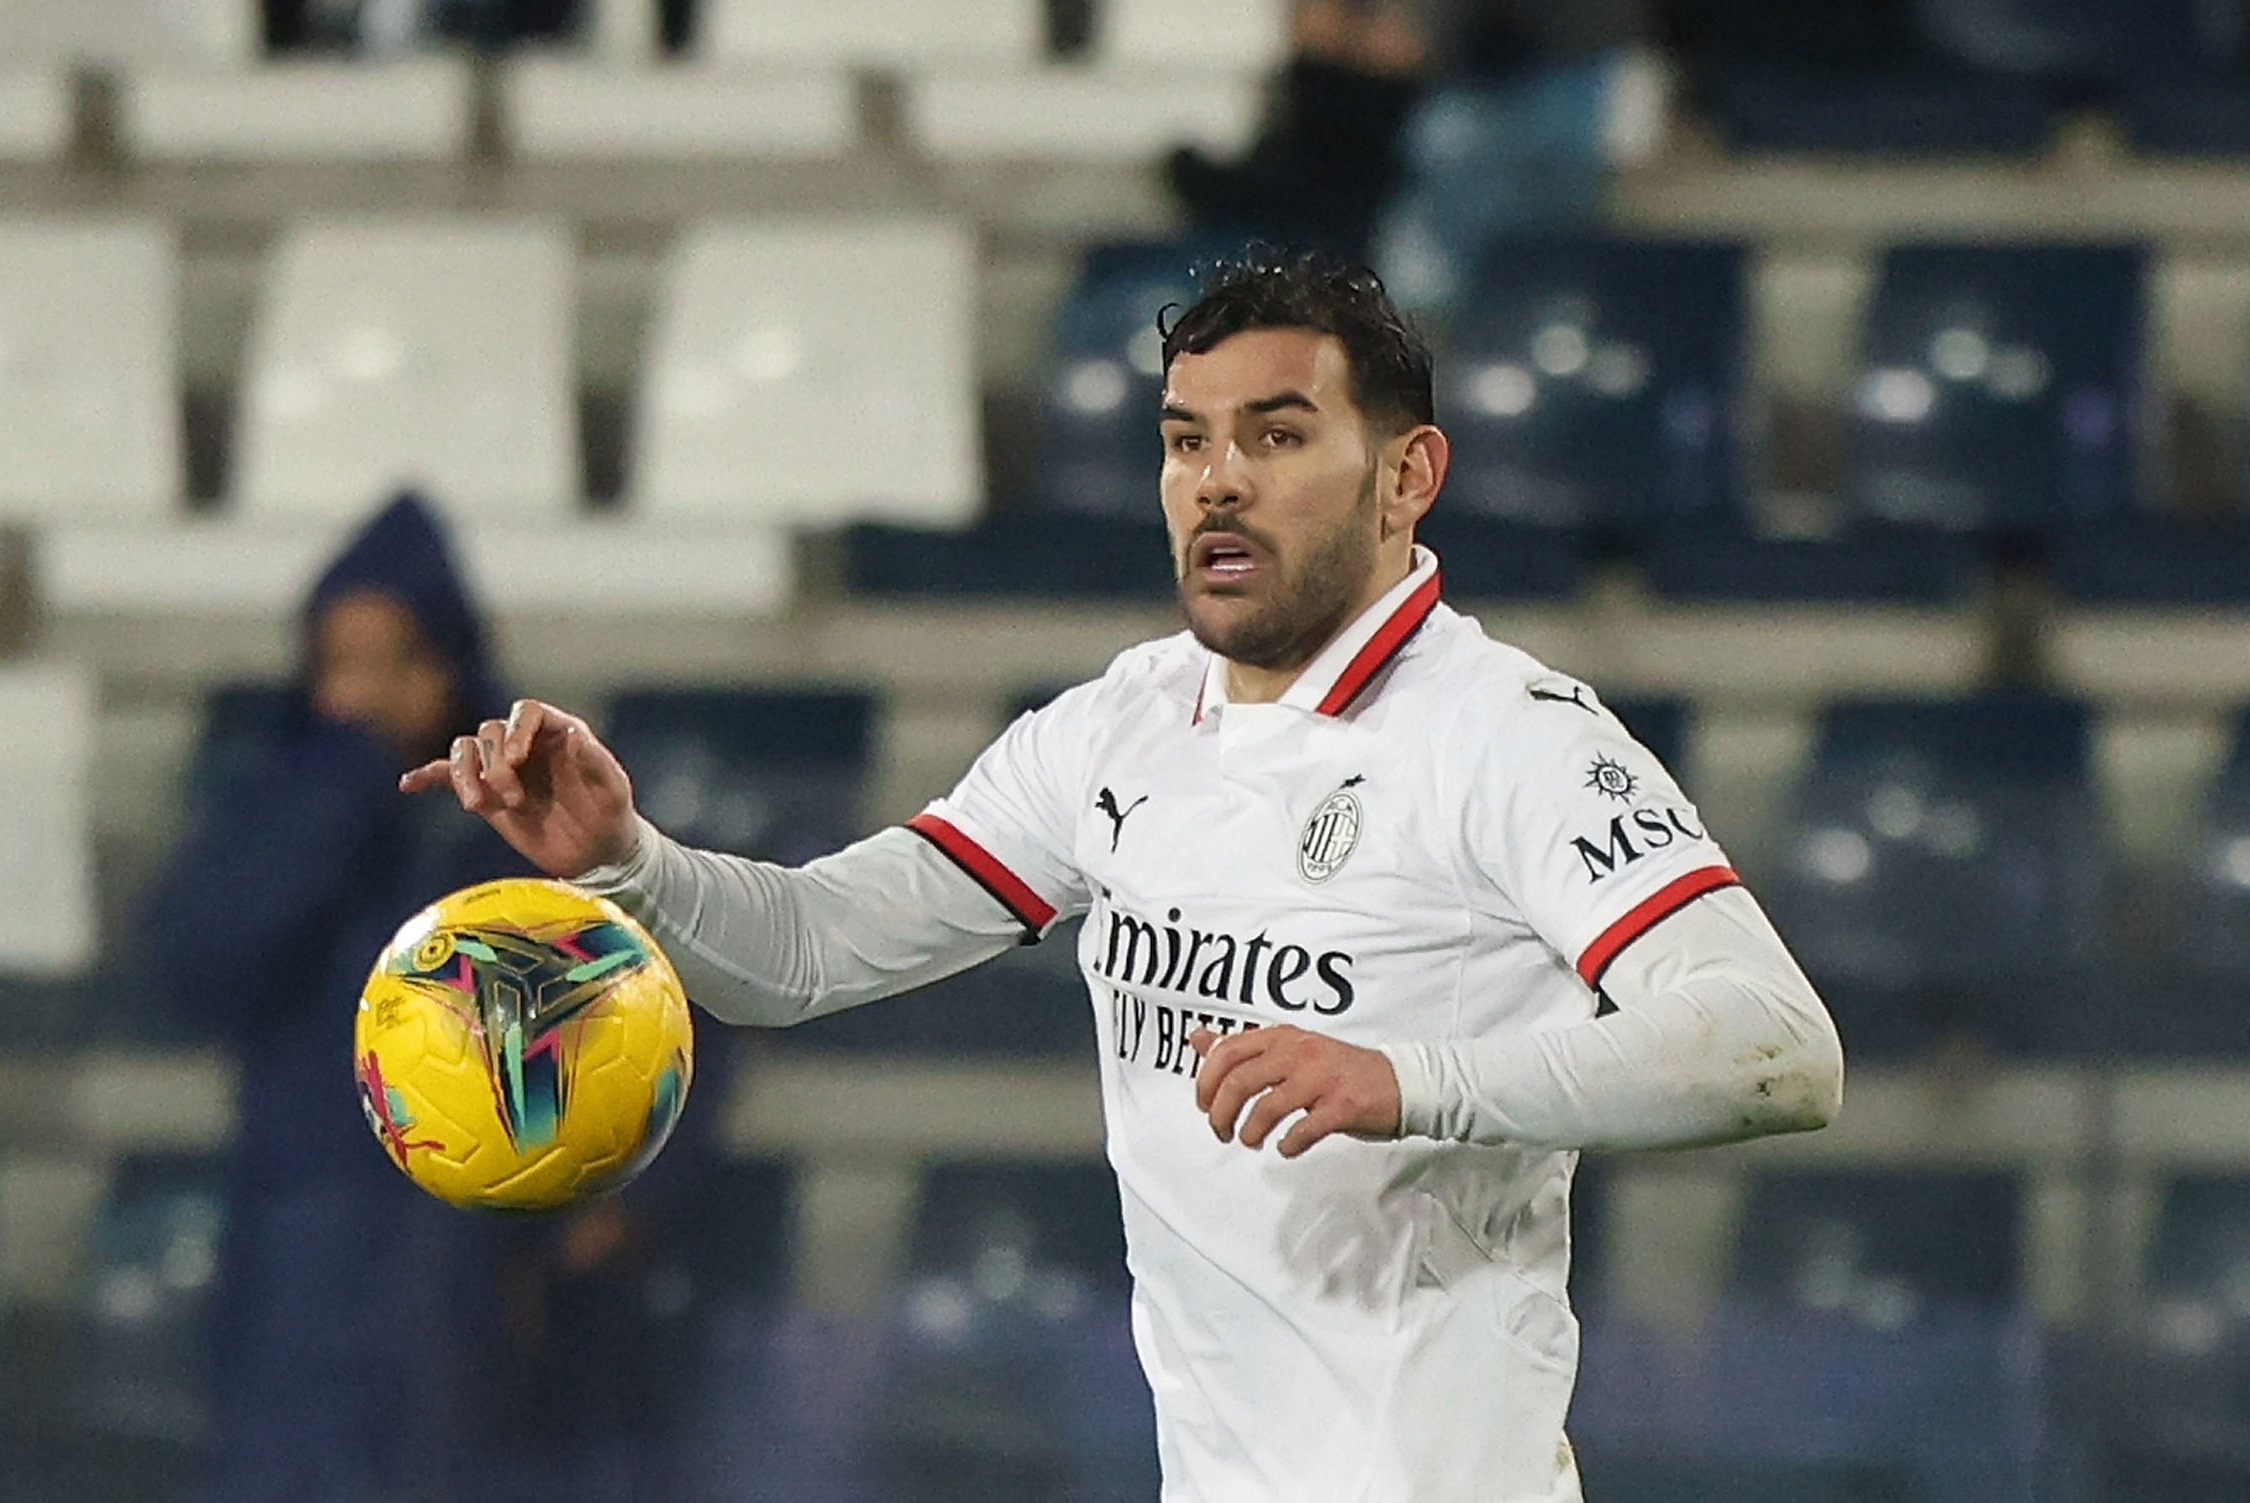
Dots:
pixel 1248 684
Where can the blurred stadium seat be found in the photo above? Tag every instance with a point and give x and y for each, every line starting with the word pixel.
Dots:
pixel 136 1379
pixel 1944 860
pixel 563 108
pixel 1011 1370
pixel 211 33
pixel 812 371
pixel 773 774
pixel 2155 1408
pixel 1104 377
pixel 1660 723
pixel 872 33
pixel 35 113
pixel 399 352
pixel 303 110
pixel 47 915
pixel 1251 34
pixel 2001 387
pixel 2154 561
pixel 1023 554
pixel 1597 383
pixel 1061 114
pixel 89 373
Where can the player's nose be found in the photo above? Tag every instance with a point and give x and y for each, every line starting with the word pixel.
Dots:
pixel 1225 480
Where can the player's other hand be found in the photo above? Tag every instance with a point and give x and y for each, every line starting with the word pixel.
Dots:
pixel 1277 1071
pixel 545 782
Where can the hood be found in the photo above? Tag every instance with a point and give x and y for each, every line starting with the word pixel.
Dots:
pixel 403 552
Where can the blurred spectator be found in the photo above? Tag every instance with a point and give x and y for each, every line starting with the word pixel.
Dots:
pixel 335 1271
pixel 1334 149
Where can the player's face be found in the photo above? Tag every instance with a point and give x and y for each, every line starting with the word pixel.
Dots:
pixel 370 667
pixel 1271 487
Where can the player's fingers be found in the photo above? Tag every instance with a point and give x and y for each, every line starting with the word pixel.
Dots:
pixel 1319 1122
pixel 431 774
pixel 499 774
pixel 1219 1055
pixel 464 764
pixel 1243 1082
pixel 1288 1097
pixel 521 729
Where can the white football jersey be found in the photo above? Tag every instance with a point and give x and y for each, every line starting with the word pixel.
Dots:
pixel 1432 838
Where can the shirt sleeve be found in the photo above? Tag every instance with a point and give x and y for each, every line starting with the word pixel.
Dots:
pixel 1580 826
pixel 1010 822
pixel 1717 1037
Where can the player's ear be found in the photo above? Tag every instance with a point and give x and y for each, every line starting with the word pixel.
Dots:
pixel 1415 464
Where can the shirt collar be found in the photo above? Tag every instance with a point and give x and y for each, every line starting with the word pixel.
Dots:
pixel 1341 670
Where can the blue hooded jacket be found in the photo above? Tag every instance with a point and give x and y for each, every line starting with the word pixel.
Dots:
pixel 301 862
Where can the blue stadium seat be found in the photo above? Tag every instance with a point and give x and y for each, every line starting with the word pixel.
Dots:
pixel 1097 445
pixel 1027 1002
pixel 1597 383
pixel 1945 859
pixel 1846 76
pixel 1023 553
pixel 2212 930
pixel 1879 1245
pixel 152 1262
pixel 1870 1343
pixel 2155 1409
pixel 1685 1477
pixel 2000 387
pixel 1491 558
pixel 1660 723
pixel 1867 565
pixel 774 774
pixel 2154 561
pixel 1011 1371
pixel 1923 111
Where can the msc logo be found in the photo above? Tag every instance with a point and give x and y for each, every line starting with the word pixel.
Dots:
pixel 1633 835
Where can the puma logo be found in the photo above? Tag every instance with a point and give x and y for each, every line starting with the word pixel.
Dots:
pixel 1106 802
pixel 1572 698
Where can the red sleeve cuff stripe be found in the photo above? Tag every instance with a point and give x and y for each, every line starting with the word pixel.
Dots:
pixel 1668 900
pixel 1032 911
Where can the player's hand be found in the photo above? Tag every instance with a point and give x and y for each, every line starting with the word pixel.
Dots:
pixel 545 782
pixel 1339 1087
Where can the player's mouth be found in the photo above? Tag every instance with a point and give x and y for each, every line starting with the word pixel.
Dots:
pixel 1222 559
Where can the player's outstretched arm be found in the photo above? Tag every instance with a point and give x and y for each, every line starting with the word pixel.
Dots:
pixel 754 942
pixel 546 783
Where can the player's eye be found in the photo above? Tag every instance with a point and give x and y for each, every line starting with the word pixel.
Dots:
pixel 1182 441
pixel 1283 438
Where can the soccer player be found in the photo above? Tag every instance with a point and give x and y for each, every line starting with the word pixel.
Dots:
pixel 1384 922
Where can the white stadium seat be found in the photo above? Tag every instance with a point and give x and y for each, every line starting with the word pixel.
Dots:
pixel 873 33
pixel 413 109
pixel 35 113
pixel 46 819
pixel 391 352
pixel 208 569
pixel 816 372
pixel 89 416
pixel 1080 114
pixel 561 108
pixel 1251 36
pixel 209 33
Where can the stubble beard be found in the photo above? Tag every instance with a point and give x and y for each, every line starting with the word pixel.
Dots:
pixel 1314 602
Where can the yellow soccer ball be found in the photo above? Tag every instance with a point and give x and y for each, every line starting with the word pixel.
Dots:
pixel 521 1044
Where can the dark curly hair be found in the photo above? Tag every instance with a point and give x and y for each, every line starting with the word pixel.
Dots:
pixel 1389 363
